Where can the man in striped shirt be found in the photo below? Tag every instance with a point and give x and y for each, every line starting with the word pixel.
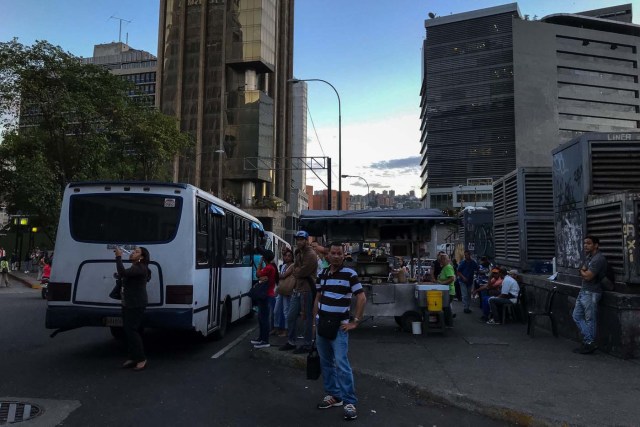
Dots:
pixel 336 287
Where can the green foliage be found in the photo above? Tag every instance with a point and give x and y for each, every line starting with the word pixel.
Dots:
pixel 65 121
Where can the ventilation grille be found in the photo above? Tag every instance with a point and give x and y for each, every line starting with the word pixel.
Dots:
pixel 538 193
pixel 511 196
pixel 605 222
pixel 615 166
pixel 500 240
pixel 540 240
pixel 512 237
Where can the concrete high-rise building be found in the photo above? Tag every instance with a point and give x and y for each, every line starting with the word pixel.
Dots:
pixel 224 67
pixel 299 198
pixel 137 66
pixel 501 91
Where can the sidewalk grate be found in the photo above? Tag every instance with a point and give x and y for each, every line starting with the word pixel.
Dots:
pixel 14 412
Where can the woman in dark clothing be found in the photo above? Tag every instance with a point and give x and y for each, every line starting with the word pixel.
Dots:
pixel 134 302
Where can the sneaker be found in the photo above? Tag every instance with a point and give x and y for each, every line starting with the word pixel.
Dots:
pixel 467 311
pixel 350 412
pixel 301 350
pixel 493 322
pixel 287 347
pixel 256 341
pixel 262 344
pixel 329 402
pixel 586 348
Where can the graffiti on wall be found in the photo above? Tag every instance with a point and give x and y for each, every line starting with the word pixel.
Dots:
pixel 569 238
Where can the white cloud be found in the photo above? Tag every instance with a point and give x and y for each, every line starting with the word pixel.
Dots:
pixel 366 143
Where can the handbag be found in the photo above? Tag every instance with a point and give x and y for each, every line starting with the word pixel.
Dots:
pixel 313 363
pixel 259 291
pixel 286 285
pixel 116 292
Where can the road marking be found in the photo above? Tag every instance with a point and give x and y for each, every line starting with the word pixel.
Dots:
pixel 233 344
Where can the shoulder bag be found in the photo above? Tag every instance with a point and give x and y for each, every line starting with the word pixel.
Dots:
pixel 286 285
pixel 259 291
pixel 313 363
pixel 328 323
pixel 116 292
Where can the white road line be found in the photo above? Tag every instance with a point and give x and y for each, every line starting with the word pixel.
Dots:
pixel 234 343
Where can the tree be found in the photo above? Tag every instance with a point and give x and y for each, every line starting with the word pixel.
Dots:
pixel 65 121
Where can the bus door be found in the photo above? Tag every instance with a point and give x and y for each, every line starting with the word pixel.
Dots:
pixel 216 261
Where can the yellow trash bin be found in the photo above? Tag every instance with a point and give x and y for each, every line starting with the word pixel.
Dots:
pixel 434 300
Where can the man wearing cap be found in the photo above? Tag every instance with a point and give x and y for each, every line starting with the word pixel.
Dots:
pixel 305 267
pixel 508 295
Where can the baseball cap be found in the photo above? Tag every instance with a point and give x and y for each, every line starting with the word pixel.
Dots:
pixel 302 235
pixel 513 271
pixel 495 270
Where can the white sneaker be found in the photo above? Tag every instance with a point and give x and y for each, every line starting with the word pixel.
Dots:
pixel 262 344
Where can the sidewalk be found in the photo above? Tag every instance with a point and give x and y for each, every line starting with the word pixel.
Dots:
pixel 27 279
pixel 495 370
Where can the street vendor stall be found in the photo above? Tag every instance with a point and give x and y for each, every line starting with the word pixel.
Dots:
pixel 404 232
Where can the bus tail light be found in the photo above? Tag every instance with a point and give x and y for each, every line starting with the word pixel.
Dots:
pixel 179 294
pixel 59 291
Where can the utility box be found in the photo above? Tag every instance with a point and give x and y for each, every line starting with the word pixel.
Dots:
pixel 584 169
pixel 523 224
pixel 615 220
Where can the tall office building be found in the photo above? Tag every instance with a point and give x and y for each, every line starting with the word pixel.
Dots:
pixel 501 91
pixel 299 199
pixel 224 67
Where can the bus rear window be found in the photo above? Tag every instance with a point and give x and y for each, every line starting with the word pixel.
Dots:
pixel 124 218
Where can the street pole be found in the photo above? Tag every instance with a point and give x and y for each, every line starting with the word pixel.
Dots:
pixel 294 81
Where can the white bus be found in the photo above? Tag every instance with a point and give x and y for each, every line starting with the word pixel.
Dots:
pixel 200 275
pixel 275 243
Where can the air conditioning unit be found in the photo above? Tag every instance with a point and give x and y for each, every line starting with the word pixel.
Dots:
pixel 615 220
pixel 523 229
pixel 585 168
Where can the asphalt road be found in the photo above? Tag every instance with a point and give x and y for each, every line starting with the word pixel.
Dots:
pixel 76 377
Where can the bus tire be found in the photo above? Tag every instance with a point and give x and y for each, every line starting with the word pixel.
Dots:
pixel 117 332
pixel 225 313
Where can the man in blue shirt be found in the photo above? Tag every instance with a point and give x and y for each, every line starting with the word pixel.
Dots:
pixel 466 270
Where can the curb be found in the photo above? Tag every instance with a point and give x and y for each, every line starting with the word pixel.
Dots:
pixel 443 397
pixel 25 282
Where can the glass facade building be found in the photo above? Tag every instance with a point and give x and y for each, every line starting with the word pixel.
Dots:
pixel 224 71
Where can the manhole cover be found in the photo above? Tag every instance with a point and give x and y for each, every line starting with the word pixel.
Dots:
pixel 14 411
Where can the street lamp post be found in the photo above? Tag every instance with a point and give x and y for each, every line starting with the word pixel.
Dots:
pixel 294 81
pixel 365 181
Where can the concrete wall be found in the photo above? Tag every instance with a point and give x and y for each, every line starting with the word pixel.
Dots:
pixel 618 315
pixel 535 93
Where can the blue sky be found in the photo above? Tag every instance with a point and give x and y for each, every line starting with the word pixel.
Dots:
pixel 368 49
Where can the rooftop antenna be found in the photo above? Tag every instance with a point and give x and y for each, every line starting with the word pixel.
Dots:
pixel 120 26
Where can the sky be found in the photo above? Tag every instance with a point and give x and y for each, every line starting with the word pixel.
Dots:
pixel 369 50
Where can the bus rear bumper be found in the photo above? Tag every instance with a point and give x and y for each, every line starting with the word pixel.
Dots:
pixel 67 318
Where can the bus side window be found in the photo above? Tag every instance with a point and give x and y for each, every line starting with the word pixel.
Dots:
pixel 229 239
pixel 202 234
pixel 238 240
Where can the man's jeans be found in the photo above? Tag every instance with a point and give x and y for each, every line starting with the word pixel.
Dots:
pixel 496 305
pixel 281 311
pixel 300 301
pixel 585 313
pixel 465 290
pixel 337 376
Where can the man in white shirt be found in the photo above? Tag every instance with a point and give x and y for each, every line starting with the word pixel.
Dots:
pixel 508 295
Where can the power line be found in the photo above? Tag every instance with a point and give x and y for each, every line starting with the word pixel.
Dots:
pixel 318 139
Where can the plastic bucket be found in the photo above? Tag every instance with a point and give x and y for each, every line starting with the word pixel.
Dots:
pixel 434 300
pixel 416 328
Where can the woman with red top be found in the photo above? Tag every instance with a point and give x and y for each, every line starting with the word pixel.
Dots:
pixel 267 271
